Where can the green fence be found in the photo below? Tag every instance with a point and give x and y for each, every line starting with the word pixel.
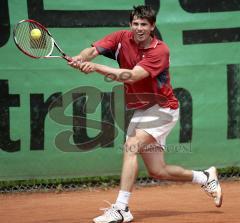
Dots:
pixel 41 135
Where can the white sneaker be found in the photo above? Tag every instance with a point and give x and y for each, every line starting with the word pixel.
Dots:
pixel 212 187
pixel 114 215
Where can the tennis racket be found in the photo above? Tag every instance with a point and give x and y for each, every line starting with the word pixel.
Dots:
pixel 37 46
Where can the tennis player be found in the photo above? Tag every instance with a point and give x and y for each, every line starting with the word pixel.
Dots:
pixel 144 60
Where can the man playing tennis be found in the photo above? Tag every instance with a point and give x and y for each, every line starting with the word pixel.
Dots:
pixel 145 61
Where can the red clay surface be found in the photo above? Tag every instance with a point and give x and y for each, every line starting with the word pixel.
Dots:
pixel 175 203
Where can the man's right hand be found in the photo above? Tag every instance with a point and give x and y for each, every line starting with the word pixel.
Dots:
pixel 76 61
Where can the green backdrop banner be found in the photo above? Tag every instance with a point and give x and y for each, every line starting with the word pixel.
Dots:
pixel 56 122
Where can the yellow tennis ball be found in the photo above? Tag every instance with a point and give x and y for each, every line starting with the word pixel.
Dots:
pixel 36 34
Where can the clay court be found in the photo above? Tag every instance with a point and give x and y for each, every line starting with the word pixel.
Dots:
pixel 178 203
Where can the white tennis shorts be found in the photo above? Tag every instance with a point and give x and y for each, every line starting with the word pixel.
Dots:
pixel 156 121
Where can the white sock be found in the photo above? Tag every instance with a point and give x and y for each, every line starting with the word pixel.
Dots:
pixel 199 177
pixel 122 199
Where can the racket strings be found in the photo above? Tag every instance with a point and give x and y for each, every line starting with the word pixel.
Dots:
pixel 37 47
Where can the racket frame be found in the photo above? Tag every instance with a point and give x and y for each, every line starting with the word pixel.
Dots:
pixel 64 56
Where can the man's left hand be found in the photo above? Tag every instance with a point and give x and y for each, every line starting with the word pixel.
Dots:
pixel 87 67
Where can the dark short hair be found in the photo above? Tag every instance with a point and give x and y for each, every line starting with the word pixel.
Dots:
pixel 143 12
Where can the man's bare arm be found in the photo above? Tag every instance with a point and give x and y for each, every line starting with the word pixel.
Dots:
pixel 118 74
pixel 86 55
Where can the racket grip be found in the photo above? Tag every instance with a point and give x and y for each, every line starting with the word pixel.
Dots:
pixel 67 58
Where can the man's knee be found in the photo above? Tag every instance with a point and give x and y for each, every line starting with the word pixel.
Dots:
pixel 158 173
pixel 132 145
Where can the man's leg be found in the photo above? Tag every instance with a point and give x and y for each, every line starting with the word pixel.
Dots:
pixel 119 212
pixel 157 168
pixel 132 147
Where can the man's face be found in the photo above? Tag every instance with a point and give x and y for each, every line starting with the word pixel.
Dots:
pixel 141 29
